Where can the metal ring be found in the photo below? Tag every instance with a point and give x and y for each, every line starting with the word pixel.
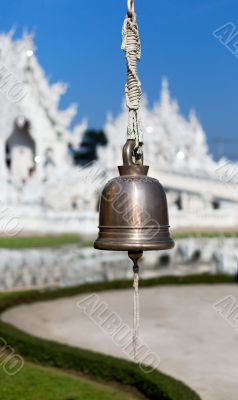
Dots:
pixel 128 154
pixel 131 8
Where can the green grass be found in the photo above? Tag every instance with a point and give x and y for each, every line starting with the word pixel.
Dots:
pixel 41 383
pixel 12 299
pixel 205 235
pixel 28 242
pixel 155 386
pixel 49 384
pixel 23 242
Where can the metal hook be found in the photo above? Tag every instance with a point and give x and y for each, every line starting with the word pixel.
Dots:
pixel 128 152
pixel 131 8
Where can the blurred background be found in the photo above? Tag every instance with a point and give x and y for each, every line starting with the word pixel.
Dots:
pixel 63 122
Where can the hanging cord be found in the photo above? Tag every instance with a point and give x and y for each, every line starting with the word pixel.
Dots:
pixel 132 47
pixel 136 313
pixel 136 306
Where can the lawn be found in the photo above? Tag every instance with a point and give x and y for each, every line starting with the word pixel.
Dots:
pixel 205 234
pixel 24 242
pixel 28 242
pixel 43 383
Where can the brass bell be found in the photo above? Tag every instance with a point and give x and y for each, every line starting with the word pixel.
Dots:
pixel 133 210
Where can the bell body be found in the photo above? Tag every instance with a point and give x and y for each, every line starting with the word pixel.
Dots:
pixel 133 212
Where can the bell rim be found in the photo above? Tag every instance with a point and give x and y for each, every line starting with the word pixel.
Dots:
pixel 101 244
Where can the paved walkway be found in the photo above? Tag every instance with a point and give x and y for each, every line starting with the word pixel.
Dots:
pixel 195 344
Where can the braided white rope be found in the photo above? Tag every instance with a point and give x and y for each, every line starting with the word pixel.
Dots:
pixel 131 7
pixel 136 315
pixel 132 47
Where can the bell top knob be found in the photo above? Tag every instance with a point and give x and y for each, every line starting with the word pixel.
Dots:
pixel 131 166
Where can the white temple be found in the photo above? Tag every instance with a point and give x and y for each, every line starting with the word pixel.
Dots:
pixel 176 150
pixel 36 170
pixel 48 193
pixel 34 132
pixel 172 142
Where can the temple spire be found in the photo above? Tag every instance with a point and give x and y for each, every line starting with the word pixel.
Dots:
pixel 165 94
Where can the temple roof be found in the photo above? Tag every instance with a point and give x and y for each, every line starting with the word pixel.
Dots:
pixel 41 100
pixel 172 141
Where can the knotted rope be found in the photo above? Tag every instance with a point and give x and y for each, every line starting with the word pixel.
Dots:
pixel 132 47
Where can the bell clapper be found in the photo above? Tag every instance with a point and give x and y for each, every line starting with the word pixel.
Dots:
pixel 135 256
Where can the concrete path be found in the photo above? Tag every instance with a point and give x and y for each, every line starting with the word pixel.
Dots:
pixel 194 342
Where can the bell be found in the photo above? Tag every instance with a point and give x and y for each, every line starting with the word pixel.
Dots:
pixel 133 212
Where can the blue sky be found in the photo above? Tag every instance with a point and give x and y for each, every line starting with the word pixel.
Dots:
pixel 79 42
